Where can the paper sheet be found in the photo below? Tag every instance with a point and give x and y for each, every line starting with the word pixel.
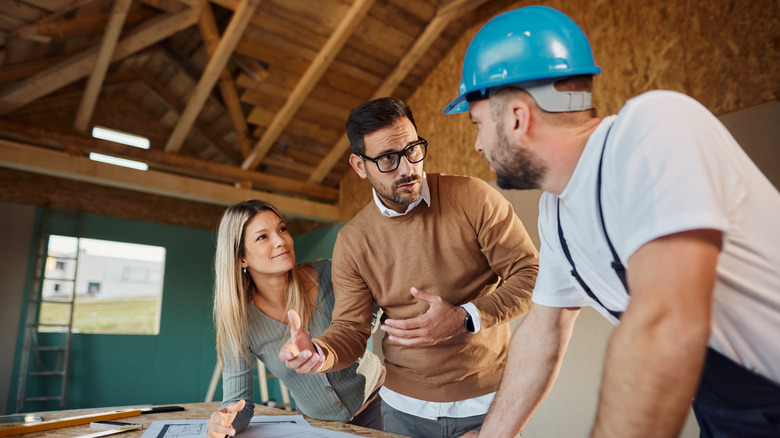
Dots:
pixel 279 426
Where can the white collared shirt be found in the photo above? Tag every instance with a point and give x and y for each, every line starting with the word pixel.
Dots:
pixel 421 408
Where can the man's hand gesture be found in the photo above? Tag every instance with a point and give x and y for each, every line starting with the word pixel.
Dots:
pixel 440 322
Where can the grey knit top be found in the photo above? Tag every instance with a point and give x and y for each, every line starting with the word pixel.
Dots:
pixel 335 396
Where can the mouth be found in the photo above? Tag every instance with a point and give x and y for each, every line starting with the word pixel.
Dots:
pixel 407 185
pixel 286 253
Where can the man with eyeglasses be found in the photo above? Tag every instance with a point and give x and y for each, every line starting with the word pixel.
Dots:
pixel 447 260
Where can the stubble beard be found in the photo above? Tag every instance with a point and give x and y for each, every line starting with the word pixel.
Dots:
pixel 520 169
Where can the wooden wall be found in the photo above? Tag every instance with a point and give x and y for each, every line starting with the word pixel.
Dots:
pixel 724 53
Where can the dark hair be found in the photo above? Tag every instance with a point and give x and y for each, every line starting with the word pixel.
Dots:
pixel 373 116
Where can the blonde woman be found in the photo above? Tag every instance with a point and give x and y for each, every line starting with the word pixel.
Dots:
pixel 257 283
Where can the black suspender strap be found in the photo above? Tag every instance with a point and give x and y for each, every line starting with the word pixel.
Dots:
pixel 617 266
pixel 620 270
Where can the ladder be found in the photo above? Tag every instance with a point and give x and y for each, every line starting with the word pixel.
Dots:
pixel 45 355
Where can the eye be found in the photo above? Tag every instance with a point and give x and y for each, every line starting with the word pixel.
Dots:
pixel 386 159
pixel 283 229
pixel 262 237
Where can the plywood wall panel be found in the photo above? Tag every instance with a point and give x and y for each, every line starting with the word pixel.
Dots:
pixel 724 53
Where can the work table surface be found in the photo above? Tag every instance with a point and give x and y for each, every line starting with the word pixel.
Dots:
pixel 192 411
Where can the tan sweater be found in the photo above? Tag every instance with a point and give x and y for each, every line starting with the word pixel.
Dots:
pixel 460 248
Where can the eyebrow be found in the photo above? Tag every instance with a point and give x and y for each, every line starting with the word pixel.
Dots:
pixel 391 151
pixel 265 230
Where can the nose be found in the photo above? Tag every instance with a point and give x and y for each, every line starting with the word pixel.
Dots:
pixel 278 240
pixel 478 144
pixel 404 166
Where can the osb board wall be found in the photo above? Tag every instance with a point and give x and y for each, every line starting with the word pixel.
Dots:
pixel 725 54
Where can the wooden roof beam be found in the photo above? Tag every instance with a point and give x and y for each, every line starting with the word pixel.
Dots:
pixel 215 66
pixel 435 27
pixel 172 102
pixel 80 65
pixel 203 169
pixel 60 164
pixel 210 33
pixel 107 46
pixel 313 74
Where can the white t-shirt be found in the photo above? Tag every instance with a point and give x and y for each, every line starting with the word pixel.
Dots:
pixel 671 166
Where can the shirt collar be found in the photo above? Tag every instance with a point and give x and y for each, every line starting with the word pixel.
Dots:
pixel 425 195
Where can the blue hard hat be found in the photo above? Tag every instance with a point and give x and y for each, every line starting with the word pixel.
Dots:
pixel 526 44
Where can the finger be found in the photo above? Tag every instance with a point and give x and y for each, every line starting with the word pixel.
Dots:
pixel 412 342
pixel 298 360
pixel 313 365
pixel 402 332
pixel 237 406
pixel 422 295
pixel 295 322
pixel 406 324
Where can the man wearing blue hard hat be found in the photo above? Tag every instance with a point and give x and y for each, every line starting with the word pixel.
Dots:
pixel 655 217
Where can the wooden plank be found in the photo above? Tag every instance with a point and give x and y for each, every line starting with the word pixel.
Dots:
pixel 55 163
pixel 215 66
pixel 8 430
pixel 172 103
pixel 443 17
pixel 81 64
pixel 309 80
pixel 210 33
pixel 180 163
pixel 107 46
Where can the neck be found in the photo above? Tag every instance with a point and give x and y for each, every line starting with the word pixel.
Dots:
pixel 271 290
pixel 566 146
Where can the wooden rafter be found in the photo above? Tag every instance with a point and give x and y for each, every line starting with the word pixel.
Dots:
pixel 83 144
pixel 215 66
pixel 107 46
pixel 308 81
pixel 435 27
pixel 78 66
pixel 56 163
pixel 210 33
pixel 173 104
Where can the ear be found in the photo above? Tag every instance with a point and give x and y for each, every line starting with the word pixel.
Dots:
pixel 358 164
pixel 244 264
pixel 518 122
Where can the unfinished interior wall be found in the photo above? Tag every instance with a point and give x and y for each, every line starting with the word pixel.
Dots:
pixel 725 54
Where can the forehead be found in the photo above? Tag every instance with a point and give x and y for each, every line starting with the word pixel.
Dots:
pixel 263 220
pixel 391 138
pixel 479 109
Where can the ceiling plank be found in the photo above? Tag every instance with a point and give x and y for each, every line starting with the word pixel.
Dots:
pixel 434 28
pixel 16 130
pixel 210 33
pixel 95 81
pixel 55 163
pixel 308 81
pixel 215 66
pixel 172 103
pixel 78 66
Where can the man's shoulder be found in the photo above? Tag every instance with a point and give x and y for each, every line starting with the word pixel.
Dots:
pixel 456 186
pixel 664 103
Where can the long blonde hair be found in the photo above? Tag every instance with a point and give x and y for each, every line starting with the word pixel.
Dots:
pixel 233 289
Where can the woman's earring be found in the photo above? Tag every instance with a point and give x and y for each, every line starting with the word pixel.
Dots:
pixel 243 270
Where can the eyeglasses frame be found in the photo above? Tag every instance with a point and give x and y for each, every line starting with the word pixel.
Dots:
pixel 401 154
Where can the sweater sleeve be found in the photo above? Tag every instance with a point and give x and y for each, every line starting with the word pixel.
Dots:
pixel 237 384
pixel 346 338
pixel 506 245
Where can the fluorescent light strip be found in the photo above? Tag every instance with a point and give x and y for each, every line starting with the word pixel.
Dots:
pixel 118 161
pixel 120 137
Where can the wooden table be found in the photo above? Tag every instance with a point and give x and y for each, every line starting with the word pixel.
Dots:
pixel 192 411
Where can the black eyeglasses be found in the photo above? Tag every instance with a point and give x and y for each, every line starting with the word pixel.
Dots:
pixel 414 153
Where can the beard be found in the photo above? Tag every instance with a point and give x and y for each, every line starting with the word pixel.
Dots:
pixel 393 194
pixel 520 169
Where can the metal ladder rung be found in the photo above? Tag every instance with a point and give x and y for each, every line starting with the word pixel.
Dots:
pixel 47 348
pixel 46 373
pixel 54 397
